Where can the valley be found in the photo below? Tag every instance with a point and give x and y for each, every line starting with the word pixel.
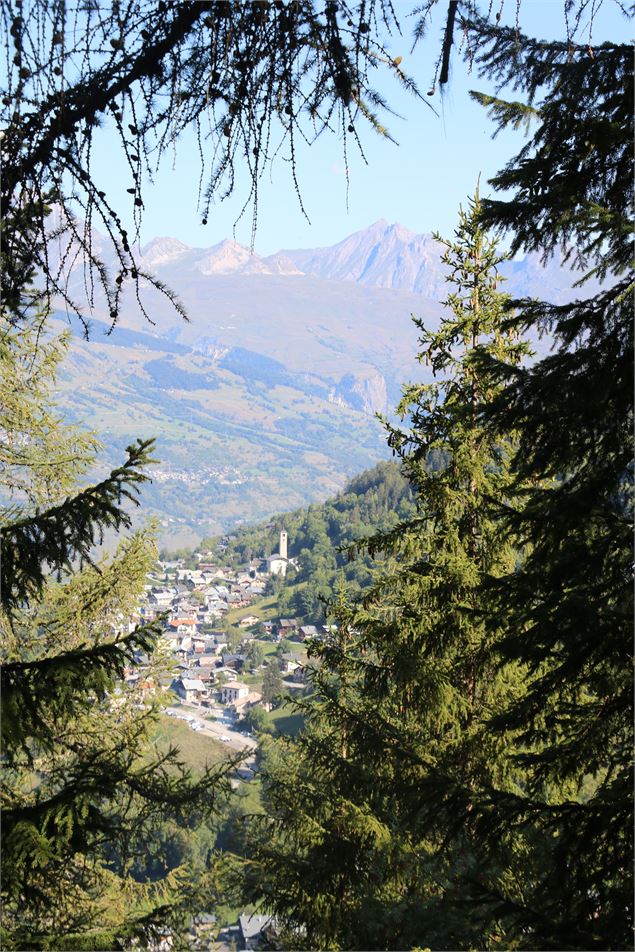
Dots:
pixel 266 398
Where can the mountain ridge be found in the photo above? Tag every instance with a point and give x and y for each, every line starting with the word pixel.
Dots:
pixel 266 398
pixel 382 255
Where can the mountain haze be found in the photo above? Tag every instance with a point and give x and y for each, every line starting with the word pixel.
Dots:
pixel 383 256
pixel 227 257
pixel 265 400
pixel 388 255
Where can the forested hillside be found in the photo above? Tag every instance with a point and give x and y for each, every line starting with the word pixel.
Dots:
pixel 319 539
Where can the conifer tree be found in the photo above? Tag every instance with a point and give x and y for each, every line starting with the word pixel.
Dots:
pixel 83 787
pixel 272 682
pixel 567 608
pixel 349 850
pixel 562 612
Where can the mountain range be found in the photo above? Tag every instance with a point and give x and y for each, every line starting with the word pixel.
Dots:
pixel 265 400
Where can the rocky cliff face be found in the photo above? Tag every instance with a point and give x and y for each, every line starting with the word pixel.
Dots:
pixel 391 256
pixel 365 392
pixel 227 257
pixel 383 255
pixel 162 251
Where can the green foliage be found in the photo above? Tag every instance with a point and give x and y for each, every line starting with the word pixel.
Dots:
pixel 255 720
pixel 321 539
pixel 38 468
pixel 255 654
pixel 272 687
pixel 466 771
pixel 234 636
pixel 84 793
pixel 354 847
pixel 571 181
pixel 567 608
pixel 53 539
pixel 465 776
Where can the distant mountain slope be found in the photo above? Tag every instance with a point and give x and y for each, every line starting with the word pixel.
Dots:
pixel 238 437
pixel 391 256
pixel 266 398
pixel 375 500
pixel 382 255
pixel 226 257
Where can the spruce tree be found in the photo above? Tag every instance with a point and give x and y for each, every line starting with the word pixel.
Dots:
pixel 351 850
pixel 567 608
pixel 83 786
pixel 560 798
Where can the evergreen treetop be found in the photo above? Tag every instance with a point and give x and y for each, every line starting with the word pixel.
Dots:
pixel 354 847
pixel 571 182
pixel 567 607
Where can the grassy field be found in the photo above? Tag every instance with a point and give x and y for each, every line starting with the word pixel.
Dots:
pixel 285 721
pixel 268 648
pixel 248 797
pixel 195 749
pixel 253 680
pixel 266 609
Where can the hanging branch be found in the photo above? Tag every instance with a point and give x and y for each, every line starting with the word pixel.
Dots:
pixel 241 76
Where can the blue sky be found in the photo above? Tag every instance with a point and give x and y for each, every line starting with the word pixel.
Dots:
pixel 418 183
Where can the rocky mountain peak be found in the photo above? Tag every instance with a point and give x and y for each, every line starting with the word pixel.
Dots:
pixel 385 230
pixel 163 251
pixel 281 264
pixel 226 257
pixel 383 255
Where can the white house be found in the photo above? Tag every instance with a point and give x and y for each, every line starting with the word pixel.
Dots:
pixel 183 626
pixel 190 689
pixel 288 663
pixel 233 691
pixel 277 565
pixel 161 598
pixel 177 643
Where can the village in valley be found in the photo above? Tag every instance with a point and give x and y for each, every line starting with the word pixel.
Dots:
pixel 228 664
pixel 220 650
